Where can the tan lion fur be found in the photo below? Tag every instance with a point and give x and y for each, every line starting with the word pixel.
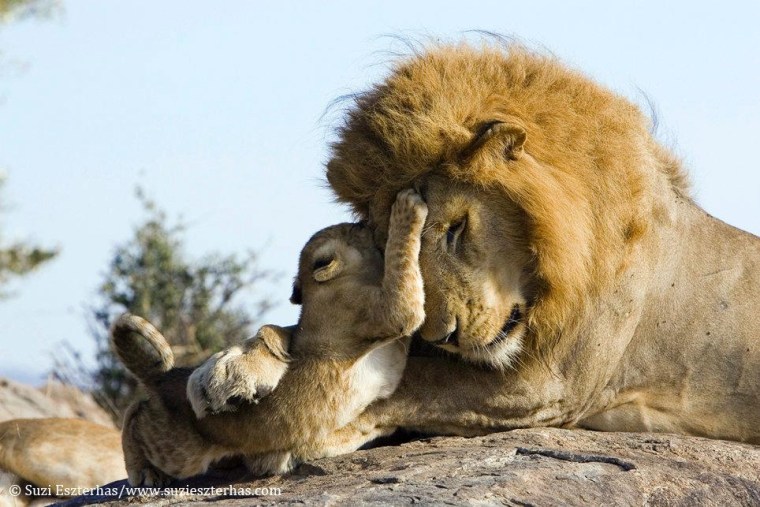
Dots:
pixel 61 454
pixel 348 350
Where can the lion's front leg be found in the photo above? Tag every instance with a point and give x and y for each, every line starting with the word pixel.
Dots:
pixel 242 373
pixel 342 441
pixel 445 397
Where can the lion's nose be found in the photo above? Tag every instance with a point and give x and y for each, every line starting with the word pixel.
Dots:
pixel 445 333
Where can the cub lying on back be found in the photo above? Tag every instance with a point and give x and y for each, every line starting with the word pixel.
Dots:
pixel 348 349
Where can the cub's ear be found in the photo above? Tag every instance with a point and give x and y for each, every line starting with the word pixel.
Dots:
pixel 327 269
pixel 296 297
pixel 515 137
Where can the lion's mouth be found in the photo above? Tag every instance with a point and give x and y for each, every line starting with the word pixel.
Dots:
pixel 512 322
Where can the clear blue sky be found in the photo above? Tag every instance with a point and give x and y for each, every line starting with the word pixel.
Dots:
pixel 215 107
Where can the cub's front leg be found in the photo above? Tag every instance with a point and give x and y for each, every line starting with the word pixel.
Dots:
pixel 398 308
pixel 243 373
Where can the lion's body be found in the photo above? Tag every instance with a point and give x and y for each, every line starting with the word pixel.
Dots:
pixel 65 455
pixel 636 309
pixel 693 363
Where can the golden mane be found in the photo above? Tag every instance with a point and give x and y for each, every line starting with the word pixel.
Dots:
pixel 585 184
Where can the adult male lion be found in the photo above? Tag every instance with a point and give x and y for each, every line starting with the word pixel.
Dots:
pixel 563 258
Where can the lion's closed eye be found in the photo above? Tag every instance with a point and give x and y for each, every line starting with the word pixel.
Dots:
pixel 454 234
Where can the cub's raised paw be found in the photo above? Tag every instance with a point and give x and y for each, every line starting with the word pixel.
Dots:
pixel 409 208
pixel 237 375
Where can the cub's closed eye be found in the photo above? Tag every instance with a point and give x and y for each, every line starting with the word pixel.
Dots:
pixel 454 233
pixel 321 263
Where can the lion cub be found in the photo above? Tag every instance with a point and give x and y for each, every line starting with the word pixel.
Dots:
pixel 348 350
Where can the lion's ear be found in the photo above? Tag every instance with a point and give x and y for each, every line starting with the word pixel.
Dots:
pixel 515 137
pixel 506 131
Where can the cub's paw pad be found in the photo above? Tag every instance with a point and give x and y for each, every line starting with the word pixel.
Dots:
pixel 409 205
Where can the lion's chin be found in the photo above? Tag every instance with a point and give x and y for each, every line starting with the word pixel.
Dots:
pixel 502 351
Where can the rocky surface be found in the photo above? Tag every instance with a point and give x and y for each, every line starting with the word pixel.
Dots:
pixel 525 467
pixel 20 401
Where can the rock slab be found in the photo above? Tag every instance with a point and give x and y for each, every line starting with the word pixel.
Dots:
pixel 525 467
pixel 20 401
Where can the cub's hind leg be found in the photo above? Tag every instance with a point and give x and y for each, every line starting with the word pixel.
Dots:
pixel 140 471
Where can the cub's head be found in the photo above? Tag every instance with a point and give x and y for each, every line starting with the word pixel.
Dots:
pixel 336 267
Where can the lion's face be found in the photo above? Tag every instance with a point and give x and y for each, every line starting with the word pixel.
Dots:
pixel 476 268
pixel 536 182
